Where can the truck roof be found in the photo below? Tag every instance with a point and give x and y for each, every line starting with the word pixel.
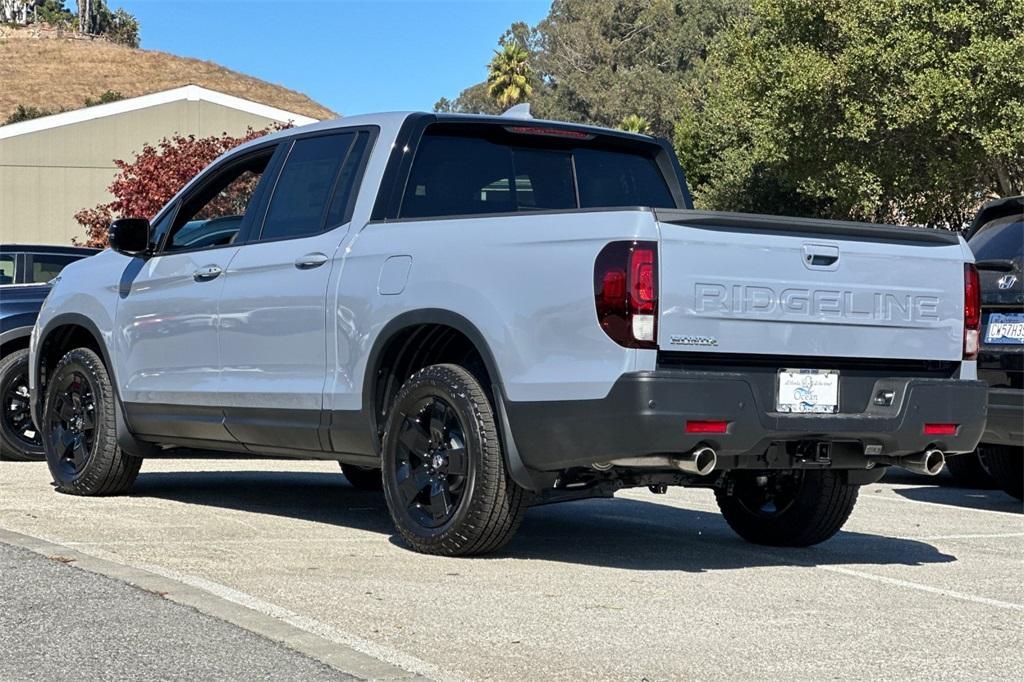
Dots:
pixel 394 119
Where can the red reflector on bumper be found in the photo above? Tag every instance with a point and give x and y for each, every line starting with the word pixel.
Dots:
pixel 940 429
pixel 707 426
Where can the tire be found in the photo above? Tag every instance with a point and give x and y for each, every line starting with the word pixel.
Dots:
pixel 79 429
pixel 968 471
pixel 444 472
pixel 19 438
pixel 792 508
pixel 363 478
pixel 1006 466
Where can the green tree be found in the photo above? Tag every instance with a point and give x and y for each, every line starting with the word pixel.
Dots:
pixel 634 123
pixel 597 61
pixel 508 77
pixel 602 60
pixel 907 111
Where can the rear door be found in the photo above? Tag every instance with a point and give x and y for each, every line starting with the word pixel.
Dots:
pixel 273 306
pixel 758 285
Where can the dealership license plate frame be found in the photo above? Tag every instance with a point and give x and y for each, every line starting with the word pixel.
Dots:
pixel 821 383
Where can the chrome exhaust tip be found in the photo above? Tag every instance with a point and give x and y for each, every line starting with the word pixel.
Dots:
pixel 701 461
pixel 928 463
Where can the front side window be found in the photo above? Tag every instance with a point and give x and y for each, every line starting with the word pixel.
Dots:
pixel 45 267
pixel 306 191
pixel 472 171
pixel 213 215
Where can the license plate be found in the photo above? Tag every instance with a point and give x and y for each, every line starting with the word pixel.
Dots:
pixel 1005 328
pixel 811 391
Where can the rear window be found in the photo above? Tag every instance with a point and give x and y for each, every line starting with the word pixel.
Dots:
pixel 487 170
pixel 1000 239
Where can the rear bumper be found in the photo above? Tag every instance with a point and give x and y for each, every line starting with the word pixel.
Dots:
pixel 1005 424
pixel 645 414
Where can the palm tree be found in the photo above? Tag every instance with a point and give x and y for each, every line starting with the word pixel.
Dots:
pixel 508 77
pixel 634 123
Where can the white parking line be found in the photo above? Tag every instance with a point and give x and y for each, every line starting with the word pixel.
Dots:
pixel 970 536
pixel 364 646
pixel 924 588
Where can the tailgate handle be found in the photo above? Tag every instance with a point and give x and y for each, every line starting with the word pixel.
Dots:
pixel 821 256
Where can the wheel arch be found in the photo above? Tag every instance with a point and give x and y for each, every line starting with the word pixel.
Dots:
pixel 14 339
pixel 418 338
pixel 65 332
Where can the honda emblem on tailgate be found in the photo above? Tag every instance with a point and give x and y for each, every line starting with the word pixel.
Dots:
pixel 1007 281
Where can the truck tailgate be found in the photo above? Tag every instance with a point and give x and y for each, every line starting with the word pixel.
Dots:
pixel 763 285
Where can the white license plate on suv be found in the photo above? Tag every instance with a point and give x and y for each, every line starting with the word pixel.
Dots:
pixel 812 391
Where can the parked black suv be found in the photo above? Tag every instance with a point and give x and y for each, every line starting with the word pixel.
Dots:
pixel 25 271
pixel 997 238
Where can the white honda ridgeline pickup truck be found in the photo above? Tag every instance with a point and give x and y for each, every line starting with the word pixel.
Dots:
pixel 483 313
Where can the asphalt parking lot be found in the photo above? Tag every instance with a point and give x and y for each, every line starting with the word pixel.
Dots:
pixel 924 582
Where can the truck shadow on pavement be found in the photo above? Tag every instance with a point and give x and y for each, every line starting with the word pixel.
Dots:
pixel 943 490
pixel 614 533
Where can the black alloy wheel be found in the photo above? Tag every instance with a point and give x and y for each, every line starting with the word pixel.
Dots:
pixel 787 508
pixel 19 437
pixel 79 427
pixel 430 462
pixel 72 422
pixel 445 480
pixel 765 495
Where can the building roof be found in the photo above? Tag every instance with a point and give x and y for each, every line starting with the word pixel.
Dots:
pixel 193 93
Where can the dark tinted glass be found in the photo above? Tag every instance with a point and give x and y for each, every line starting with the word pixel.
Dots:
pixel 543 179
pixel 458 176
pixel 463 174
pixel 298 207
pixel 46 267
pixel 1000 239
pixel 343 187
pixel 612 178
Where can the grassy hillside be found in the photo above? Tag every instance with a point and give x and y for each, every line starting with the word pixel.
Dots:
pixel 54 73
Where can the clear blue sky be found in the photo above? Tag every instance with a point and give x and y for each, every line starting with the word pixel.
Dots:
pixel 352 57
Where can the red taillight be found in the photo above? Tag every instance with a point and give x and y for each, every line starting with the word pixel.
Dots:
pixel 940 429
pixel 626 292
pixel 972 312
pixel 642 290
pixel 707 426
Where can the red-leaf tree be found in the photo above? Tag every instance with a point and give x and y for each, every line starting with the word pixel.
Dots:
pixel 143 185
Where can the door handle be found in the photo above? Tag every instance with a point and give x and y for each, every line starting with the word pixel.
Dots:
pixel 207 273
pixel 310 261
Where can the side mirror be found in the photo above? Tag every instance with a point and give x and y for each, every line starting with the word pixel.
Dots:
pixel 129 236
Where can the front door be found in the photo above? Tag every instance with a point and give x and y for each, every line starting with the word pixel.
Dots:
pixel 168 360
pixel 273 309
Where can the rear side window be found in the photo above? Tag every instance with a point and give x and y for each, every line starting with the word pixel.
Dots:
pixel 483 171
pixel 308 188
pixel 45 267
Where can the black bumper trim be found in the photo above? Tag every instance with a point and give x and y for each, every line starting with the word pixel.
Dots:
pixel 645 414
